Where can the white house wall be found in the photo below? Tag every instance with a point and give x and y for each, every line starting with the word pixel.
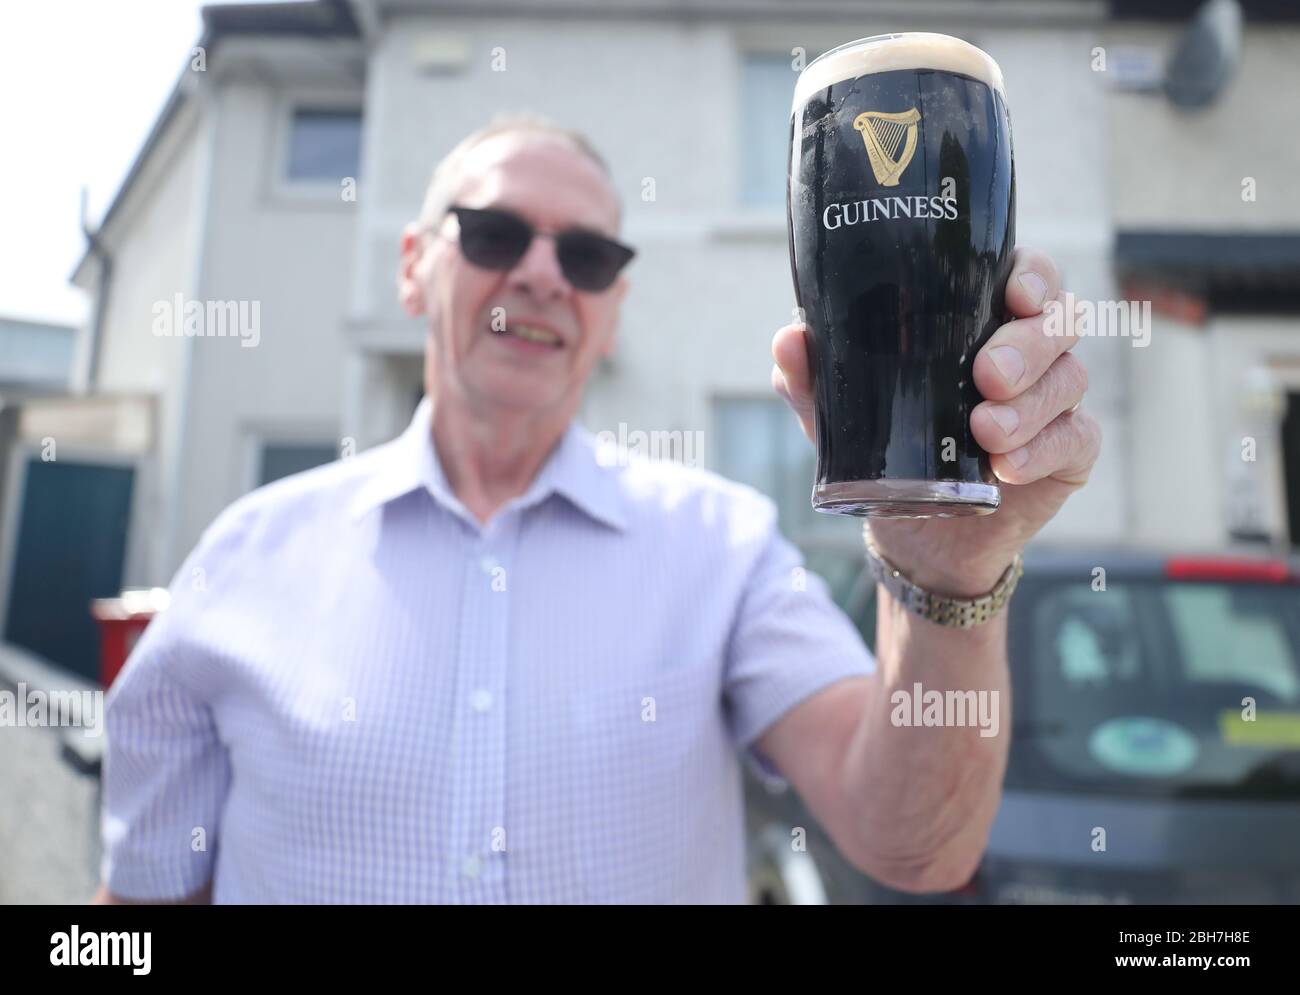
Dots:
pixel 661 100
pixel 155 261
pixel 292 255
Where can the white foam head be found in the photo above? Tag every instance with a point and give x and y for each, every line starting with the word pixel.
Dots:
pixel 884 53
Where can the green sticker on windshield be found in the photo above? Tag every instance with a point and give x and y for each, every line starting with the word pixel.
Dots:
pixel 1275 729
pixel 1143 747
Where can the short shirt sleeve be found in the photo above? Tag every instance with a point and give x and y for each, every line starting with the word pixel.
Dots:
pixel 790 640
pixel 166 772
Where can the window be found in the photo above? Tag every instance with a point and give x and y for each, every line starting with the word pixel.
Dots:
pixel 282 459
pixel 760 443
pixel 324 144
pixel 766 92
pixel 1139 689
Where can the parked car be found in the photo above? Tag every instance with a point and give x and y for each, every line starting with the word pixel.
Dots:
pixel 1156 701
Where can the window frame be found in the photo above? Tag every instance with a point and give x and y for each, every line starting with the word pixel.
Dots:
pixel 322 191
pixel 258 437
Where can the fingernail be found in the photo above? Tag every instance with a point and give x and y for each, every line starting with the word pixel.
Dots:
pixel 1006 417
pixel 1035 286
pixel 1009 363
pixel 1018 457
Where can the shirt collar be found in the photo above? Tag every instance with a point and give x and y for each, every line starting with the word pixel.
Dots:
pixel 573 470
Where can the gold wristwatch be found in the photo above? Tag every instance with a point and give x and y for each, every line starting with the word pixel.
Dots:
pixel 961 613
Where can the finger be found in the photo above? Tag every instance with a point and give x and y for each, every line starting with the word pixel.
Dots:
pixel 1020 352
pixel 1003 426
pixel 1065 450
pixel 1033 282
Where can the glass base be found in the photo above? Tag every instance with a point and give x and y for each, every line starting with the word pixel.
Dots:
pixel 906 498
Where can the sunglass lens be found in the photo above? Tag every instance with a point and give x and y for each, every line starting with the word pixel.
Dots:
pixel 590 262
pixel 491 239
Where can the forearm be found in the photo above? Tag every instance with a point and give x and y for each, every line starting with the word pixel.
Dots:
pixel 105 897
pixel 926 796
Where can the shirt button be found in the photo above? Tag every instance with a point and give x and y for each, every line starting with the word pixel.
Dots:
pixel 488 564
pixel 481 700
pixel 471 866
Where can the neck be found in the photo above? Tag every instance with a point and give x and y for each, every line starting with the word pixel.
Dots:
pixel 490 459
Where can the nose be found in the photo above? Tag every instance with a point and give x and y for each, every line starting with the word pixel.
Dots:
pixel 538 273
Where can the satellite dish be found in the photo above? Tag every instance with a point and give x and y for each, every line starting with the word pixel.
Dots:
pixel 1206 56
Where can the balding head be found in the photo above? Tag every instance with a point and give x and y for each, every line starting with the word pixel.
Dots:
pixel 450 173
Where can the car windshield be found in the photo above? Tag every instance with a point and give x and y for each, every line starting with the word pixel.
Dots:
pixel 1157 687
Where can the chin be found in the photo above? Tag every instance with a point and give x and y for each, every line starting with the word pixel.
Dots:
pixel 519 392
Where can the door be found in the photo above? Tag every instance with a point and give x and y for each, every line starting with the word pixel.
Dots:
pixel 70 547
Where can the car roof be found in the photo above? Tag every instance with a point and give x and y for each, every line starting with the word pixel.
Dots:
pixel 1045 559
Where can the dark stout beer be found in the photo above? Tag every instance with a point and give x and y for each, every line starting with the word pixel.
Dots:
pixel 902 221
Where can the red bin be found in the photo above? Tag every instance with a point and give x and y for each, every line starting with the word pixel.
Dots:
pixel 121 620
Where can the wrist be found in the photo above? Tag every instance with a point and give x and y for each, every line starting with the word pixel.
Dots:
pixel 959 610
pixel 939 571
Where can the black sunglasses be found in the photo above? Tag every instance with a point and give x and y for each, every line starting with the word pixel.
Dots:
pixel 496 239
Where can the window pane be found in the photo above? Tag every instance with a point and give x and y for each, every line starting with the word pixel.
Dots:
pixel 282 460
pixel 325 145
pixel 767 88
pixel 760 443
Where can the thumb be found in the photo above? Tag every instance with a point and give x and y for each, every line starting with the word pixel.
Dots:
pixel 790 375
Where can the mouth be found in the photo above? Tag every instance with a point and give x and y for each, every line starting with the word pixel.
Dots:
pixel 530 335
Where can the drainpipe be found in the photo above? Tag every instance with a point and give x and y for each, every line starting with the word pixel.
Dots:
pixel 97 248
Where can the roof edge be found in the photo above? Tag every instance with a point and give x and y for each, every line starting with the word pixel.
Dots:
pixel 302 18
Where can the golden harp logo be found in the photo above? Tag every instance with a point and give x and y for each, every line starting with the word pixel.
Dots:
pixel 883 134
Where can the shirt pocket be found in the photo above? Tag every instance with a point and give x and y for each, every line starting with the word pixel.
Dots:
pixel 645 746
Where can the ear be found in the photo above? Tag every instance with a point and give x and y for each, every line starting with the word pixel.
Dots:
pixel 410 292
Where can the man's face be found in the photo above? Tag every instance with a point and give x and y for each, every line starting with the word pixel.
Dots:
pixel 554 187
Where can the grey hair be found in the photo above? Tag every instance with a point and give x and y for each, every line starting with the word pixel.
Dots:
pixel 449 173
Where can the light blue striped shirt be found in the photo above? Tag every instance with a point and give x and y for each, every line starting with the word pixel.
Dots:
pixel 361 694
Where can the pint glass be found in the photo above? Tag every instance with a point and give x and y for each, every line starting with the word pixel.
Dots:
pixel 901 210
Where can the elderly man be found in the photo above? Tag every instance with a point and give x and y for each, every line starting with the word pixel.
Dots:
pixel 480 663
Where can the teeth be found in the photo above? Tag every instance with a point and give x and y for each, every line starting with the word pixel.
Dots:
pixel 533 334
